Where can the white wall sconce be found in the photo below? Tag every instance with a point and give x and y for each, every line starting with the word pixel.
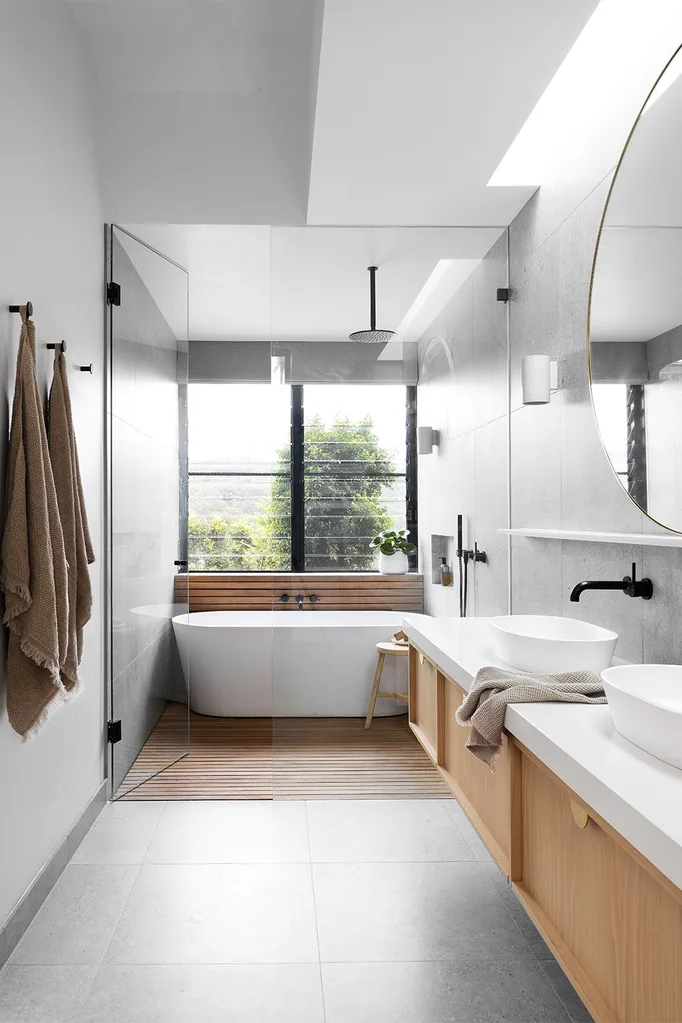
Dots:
pixel 539 377
pixel 427 439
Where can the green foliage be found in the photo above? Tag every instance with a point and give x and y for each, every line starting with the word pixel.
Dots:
pixel 237 545
pixel 342 512
pixel 391 542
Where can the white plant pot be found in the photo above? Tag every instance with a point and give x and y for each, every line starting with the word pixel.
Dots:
pixel 393 564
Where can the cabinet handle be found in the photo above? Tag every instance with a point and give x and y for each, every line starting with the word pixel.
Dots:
pixel 580 814
pixel 421 658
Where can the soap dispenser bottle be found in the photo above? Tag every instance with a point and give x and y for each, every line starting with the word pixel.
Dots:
pixel 445 573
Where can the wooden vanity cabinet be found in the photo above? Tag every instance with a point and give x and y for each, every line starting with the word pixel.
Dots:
pixel 423 695
pixel 484 796
pixel 612 919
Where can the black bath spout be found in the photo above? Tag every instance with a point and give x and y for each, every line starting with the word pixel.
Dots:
pixel 630 585
pixel 299 600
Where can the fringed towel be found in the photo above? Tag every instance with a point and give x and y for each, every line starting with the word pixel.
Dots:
pixel 77 544
pixel 484 708
pixel 33 576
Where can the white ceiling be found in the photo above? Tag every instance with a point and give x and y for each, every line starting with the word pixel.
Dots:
pixel 212 114
pixel 206 109
pixel 203 108
pixel 417 103
pixel 301 283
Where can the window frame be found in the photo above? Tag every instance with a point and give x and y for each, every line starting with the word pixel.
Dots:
pixel 296 474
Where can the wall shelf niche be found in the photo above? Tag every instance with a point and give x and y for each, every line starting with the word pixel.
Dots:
pixel 636 539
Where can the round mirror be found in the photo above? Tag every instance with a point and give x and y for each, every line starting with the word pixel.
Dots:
pixel 635 319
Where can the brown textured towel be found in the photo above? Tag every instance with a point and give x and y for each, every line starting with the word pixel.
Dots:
pixel 77 544
pixel 484 708
pixel 33 576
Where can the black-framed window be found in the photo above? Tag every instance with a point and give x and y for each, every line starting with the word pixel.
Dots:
pixel 298 477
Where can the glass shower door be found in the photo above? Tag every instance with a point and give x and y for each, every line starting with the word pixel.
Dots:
pixel 147 393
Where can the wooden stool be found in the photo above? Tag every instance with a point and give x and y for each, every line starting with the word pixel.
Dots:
pixel 394 649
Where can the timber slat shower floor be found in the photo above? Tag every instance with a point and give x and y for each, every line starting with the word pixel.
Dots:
pixel 292 758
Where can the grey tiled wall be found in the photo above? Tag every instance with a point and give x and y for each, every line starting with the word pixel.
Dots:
pixel 559 475
pixel 145 510
pixel 463 393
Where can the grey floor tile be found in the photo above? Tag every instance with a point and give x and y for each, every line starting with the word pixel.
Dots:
pixel 43 994
pixel 536 942
pixel 410 912
pixel 121 833
pixel 499 991
pixel 384 830
pixel 77 921
pixel 231 832
pixel 206 994
pixel 566 992
pixel 215 913
pixel 478 848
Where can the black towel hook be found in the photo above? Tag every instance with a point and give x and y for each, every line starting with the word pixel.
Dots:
pixel 86 369
pixel 57 344
pixel 17 309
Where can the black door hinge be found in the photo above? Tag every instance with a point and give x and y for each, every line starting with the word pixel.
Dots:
pixel 113 293
pixel 114 731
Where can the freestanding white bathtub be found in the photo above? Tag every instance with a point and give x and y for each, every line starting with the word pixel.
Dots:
pixel 287 663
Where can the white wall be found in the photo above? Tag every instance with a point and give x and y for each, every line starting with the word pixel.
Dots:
pixel 51 252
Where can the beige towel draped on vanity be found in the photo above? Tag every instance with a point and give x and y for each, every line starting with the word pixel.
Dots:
pixel 485 705
pixel 72 513
pixel 34 569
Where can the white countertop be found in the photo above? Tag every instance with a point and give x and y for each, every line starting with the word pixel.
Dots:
pixel 639 796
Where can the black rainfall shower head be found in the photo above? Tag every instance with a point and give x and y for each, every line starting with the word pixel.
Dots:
pixel 372 336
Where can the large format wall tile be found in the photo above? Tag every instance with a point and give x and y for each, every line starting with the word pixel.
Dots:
pixel 560 476
pixel 536 465
pixel 536 577
pixel 663 613
pixel 490 337
pixel 609 608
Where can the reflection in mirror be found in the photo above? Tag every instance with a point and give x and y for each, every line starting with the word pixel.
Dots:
pixel 635 340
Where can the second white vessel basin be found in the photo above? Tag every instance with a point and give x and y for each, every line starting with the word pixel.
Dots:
pixel 544 643
pixel 645 701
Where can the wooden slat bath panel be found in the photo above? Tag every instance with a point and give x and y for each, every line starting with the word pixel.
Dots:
pixel 260 591
pixel 290 758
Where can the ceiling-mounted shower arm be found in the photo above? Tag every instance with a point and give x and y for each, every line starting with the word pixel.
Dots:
pixel 372 297
pixel 372 336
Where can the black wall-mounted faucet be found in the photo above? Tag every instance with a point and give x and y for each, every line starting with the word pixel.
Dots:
pixel 631 586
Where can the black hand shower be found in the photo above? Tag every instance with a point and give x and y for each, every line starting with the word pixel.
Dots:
pixel 463 562
pixel 463 558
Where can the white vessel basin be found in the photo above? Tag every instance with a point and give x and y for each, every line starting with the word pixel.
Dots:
pixel 544 643
pixel 645 701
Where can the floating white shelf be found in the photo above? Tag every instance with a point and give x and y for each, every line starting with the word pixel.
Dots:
pixel 637 539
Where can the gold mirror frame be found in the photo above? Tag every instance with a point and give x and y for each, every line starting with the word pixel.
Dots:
pixel 602 221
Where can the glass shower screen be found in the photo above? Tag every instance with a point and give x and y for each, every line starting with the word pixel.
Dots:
pixel 146 422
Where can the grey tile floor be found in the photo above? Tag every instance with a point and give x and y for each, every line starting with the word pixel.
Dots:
pixel 375 911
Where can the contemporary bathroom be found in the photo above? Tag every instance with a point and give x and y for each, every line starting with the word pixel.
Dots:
pixel 341 546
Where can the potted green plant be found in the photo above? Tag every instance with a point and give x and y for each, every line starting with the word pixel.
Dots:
pixel 394 548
